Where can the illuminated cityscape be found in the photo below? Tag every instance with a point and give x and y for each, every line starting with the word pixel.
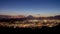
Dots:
pixel 29 21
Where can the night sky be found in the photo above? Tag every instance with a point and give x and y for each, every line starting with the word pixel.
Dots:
pixel 30 7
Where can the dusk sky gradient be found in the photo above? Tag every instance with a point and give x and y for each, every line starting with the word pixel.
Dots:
pixel 30 7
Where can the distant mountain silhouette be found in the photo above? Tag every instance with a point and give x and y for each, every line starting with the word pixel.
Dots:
pixel 57 16
pixel 30 17
pixel 8 18
pixel 53 17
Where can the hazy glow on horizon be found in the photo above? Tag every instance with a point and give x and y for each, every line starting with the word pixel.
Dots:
pixel 30 7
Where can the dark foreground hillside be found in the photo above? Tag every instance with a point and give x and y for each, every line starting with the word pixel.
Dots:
pixel 43 29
